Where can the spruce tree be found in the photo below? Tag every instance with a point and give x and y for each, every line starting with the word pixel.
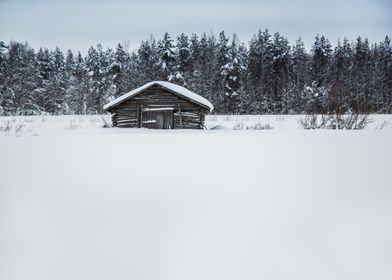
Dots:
pixel 232 73
pixel 119 71
pixel 340 73
pixel 259 72
pixel 298 77
pixel 383 74
pixel 281 95
pixel 167 57
pixel 147 63
pixel 361 71
pixel 184 67
pixel 321 59
pixel 42 98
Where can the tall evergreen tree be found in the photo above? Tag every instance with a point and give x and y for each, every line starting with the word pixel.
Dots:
pixel 232 73
pixel 321 59
pixel 280 74
pixel 3 70
pixel 58 81
pixel 184 66
pixel 341 66
pixel 93 81
pixel 299 77
pixel 222 60
pixel 119 69
pixel 259 72
pixel 167 57
pixel 383 77
pixel 316 93
pixel 361 71
pixel 43 99
pixel 79 103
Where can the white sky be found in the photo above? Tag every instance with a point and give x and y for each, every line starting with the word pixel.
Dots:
pixel 80 24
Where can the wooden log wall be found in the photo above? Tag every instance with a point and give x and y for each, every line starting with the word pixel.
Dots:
pixel 186 114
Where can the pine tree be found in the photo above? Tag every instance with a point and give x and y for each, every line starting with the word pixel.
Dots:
pixel 206 72
pixel 93 81
pixel 105 84
pixel 340 73
pixel 42 98
pixel 119 70
pixel 259 73
pixel 184 67
pixel 222 60
pixel 3 70
pixel 3 48
pixel 321 59
pixel 383 77
pixel 70 85
pixel 147 66
pixel 79 103
pixel 198 49
pixel 57 82
pixel 232 73
pixel 280 74
pixel 361 70
pixel 17 71
pixel 316 94
pixel 167 57
pixel 299 77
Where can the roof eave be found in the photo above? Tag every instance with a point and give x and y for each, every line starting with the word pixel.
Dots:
pixel 158 84
pixel 187 98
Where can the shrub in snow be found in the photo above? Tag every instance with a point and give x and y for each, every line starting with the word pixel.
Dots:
pixel 19 127
pixel 239 126
pixel 256 126
pixel 5 126
pixel 335 121
pixel 260 126
pixel 384 124
pixel 72 125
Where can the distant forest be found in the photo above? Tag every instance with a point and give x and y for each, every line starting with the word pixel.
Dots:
pixel 267 76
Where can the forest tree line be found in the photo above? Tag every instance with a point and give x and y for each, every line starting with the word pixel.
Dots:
pixel 268 76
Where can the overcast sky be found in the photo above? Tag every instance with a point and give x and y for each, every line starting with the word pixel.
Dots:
pixel 78 24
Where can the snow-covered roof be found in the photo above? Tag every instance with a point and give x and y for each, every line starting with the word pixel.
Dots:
pixel 176 89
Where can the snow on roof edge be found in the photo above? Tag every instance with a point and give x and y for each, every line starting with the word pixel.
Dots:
pixel 182 91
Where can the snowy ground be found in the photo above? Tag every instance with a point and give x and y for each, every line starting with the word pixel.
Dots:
pixel 78 201
pixel 82 125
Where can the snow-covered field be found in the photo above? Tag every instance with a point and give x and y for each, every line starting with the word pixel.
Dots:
pixel 78 201
pixel 87 125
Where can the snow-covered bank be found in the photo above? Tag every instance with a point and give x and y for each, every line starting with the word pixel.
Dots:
pixel 93 124
pixel 83 202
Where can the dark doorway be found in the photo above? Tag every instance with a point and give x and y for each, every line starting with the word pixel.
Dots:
pixel 160 124
pixel 159 118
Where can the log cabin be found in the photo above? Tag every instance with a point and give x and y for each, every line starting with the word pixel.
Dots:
pixel 160 105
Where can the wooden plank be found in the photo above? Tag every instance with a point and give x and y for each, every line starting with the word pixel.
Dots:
pixel 138 116
pixel 179 110
pixel 140 119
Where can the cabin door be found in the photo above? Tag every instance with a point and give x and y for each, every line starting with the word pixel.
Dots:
pixel 164 119
pixel 160 124
pixel 158 118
